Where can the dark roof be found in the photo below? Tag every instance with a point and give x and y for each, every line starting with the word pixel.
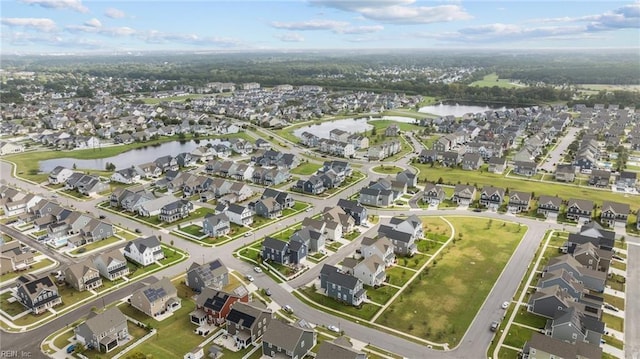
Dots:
pixel 212 299
pixel 339 278
pixel 143 243
pixel 272 243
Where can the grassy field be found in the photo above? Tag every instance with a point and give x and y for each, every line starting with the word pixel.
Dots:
pixel 566 192
pixel 381 125
pixel 493 80
pixel 367 311
pixel 306 168
pixel 451 293
pixel 95 245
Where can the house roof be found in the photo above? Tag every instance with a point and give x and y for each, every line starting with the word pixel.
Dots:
pixel 284 335
pixel 105 321
pixel 336 277
pixel 245 314
pixel 80 269
pixel 142 244
pixel 34 284
pixel 276 244
pixel 616 207
pixel 208 270
pixel 550 201
pixel 562 349
pixel 582 204
pixel 340 348
pixel 236 208
pixel 159 290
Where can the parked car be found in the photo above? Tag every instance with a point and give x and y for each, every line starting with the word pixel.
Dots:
pixel 71 348
pixel 505 305
pixel 102 216
pixel 249 278
pixel 267 292
pixel 494 325
pixel 287 308
pixel 333 328
pixel 138 230
pixel 248 234
pixel 257 269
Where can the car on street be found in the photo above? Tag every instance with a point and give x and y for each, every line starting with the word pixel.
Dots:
pixel 267 292
pixel 257 269
pixel 505 305
pixel 477 210
pixel 248 234
pixel 333 328
pixel 138 230
pixel 287 308
pixel 102 216
pixel 249 278
pixel 494 325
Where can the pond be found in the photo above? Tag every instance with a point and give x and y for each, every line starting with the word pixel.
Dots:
pixel 456 110
pixel 129 158
pixel 322 129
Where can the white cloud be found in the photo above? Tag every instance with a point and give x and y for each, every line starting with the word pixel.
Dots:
pixel 158 37
pixel 398 11
pixel 39 24
pixel 75 5
pixel 290 37
pixel 114 13
pixel 31 39
pixel 360 29
pixel 106 31
pixel 310 25
pixel 93 23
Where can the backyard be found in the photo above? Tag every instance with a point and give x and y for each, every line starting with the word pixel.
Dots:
pixel 449 293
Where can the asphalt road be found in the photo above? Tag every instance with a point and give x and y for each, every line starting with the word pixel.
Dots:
pixel 555 156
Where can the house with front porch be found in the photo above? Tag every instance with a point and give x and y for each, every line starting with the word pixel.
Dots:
pixel 103 332
pixel 144 251
pixel 492 197
pixel 341 286
pixel 239 214
pixel 433 194
pixel 37 293
pixel 464 195
pixel 519 201
pixel 614 214
pixel 370 270
pixel 287 340
pixel 216 225
pixel 381 247
pixel 83 276
pixel 600 178
pixel 549 206
pixel 525 168
pixel 156 299
pixel 565 173
pixel 111 265
pixel 580 210
pixel 175 211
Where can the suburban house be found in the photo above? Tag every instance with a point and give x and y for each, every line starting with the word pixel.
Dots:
pixel 37 293
pixel 341 286
pixel 492 197
pixel 292 252
pixel 128 175
pixel 626 181
pixel 565 280
pixel 213 305
pixel 267 208
pixel 339 348
pixel 433 194
pixel 370 270
pixel 404 243
pixel 247 322
pixel 614 214
pixel 471 161
pixel 216 225
pixel 579 210
pixel 497 164
pixel 565 173
pixel 111 265
pixel 156 299
pixel 283 198
pixel 549 206
pixel 525 168
pixel 407 177
pixel 519 201
pixel 313 185
pixel 59 175
pixel 239 214
pixel 144 251
pixel 600 178
pixel 286 340
pixel 13 257
pixel 355 210
pixel 592 257
pixel 543 346
pixel 451 158
pixel 546 301
pixel 104 331
pixel 10 147
pixel 175 211
pixel 312 235
pixel 82 276
pixel 381 247
pixel 464 195
pixel 340 217
pixel 376 197
pixel 213 274
pixel 590 278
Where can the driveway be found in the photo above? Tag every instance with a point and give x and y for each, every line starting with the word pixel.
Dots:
pixel 556 155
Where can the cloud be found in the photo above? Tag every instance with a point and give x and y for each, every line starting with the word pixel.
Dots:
pixel 92 27
pixel 93 23
pixel 75 5
pixel 338 27
pixel 39 24
pixel 398 11
pixel 290 37
pixel 310 25
pixel 158 37
pixel 114 13
pixel 31 39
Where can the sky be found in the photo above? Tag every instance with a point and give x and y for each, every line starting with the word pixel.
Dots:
pixel 73 26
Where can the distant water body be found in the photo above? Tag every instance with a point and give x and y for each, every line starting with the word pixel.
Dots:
pixel 456 110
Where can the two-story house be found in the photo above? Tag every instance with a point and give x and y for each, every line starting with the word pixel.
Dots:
pixel 216 225
pixel 239 214
pixel 355 210
pixel 381 246
pixel 156 299
pixel 247 322
pixel 341 286
pixel 370 270
pixel 213 305
pixel 614 214
pixel 144 251
pixel 37 293
pixel 519 201
pixel 175 211
pixel 464 195
pixel 83 276
pixel 549 206
pixel 213 274
pixel 492 197
pixel 111 265
pixel 579 210
pixel 286 340
pixel 433 194
pixel 104 331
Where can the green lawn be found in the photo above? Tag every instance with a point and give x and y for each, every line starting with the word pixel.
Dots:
pixel 195 215
pixel 479 179
pixel 517 336
pixel 95 245
pixel 616 282
pixel 34 267
pixel 493 80
pixel 387 169
pixel 613 322
pixel 615 301
pixel 506 353
pixel 175 334
pixel 307 168
pixel 398 276
pixel 192 229
pixel 382 294
pixel 530 319
pixel 451 293
pixel 63 340
pixel 367 311
pixel 136 270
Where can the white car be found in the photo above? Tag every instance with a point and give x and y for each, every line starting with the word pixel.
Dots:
pixel 333 328
pixel 249 278
pixel 505 305
pixel 257 269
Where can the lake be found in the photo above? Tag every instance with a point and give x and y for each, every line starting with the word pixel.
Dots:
pixel 129 158
pixel 456 110
pixel 322 130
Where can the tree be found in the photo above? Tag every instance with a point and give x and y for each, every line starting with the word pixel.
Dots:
pixel 171 242
pixel 110 166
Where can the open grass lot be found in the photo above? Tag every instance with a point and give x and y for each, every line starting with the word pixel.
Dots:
pixel 63 340
pixel 192 229
pixel 136 270
pixel 381 295
pixel 493 80
pixel 614 341
pixel 366 312
pixel 506 353
pixel 398 276
pixel 175 334
pixel 95 245
pixel 435 228
pixel 12 309
pixel 517 336
pixel 306 168
pixel 387 169
pixel 381 124
pixel 566 192
pixel 450 295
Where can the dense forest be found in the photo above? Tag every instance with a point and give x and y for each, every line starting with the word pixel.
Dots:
pixel 548 74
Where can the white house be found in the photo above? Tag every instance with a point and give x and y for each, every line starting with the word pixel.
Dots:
pixel 144 251
pixel 59 175
pixel 239 215
pixel 10 147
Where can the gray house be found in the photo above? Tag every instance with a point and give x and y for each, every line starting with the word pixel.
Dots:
pixel 571 325
pixel 247 322
pixel 579 210
pixel 268 208
pixel 283 340
pixel 213 274
pixel 565 173
pixel 37 294
pixel 342 287
pixel 339 348
pixel 83 276
pixel 591 278
pixel 464 195
pixel 546 301
pixel 433 194
pixel 103 332
pixel 614 214
pixel 376 197
pixel 407 177
pixel 542 346
pixel 565 280
pixel 216 225
pixel 549 206
pixel 492 197
pixel 519 201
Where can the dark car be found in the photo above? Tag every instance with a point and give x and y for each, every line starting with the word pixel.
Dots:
pixel 102 216
pixel 477 210
pixel 138 230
